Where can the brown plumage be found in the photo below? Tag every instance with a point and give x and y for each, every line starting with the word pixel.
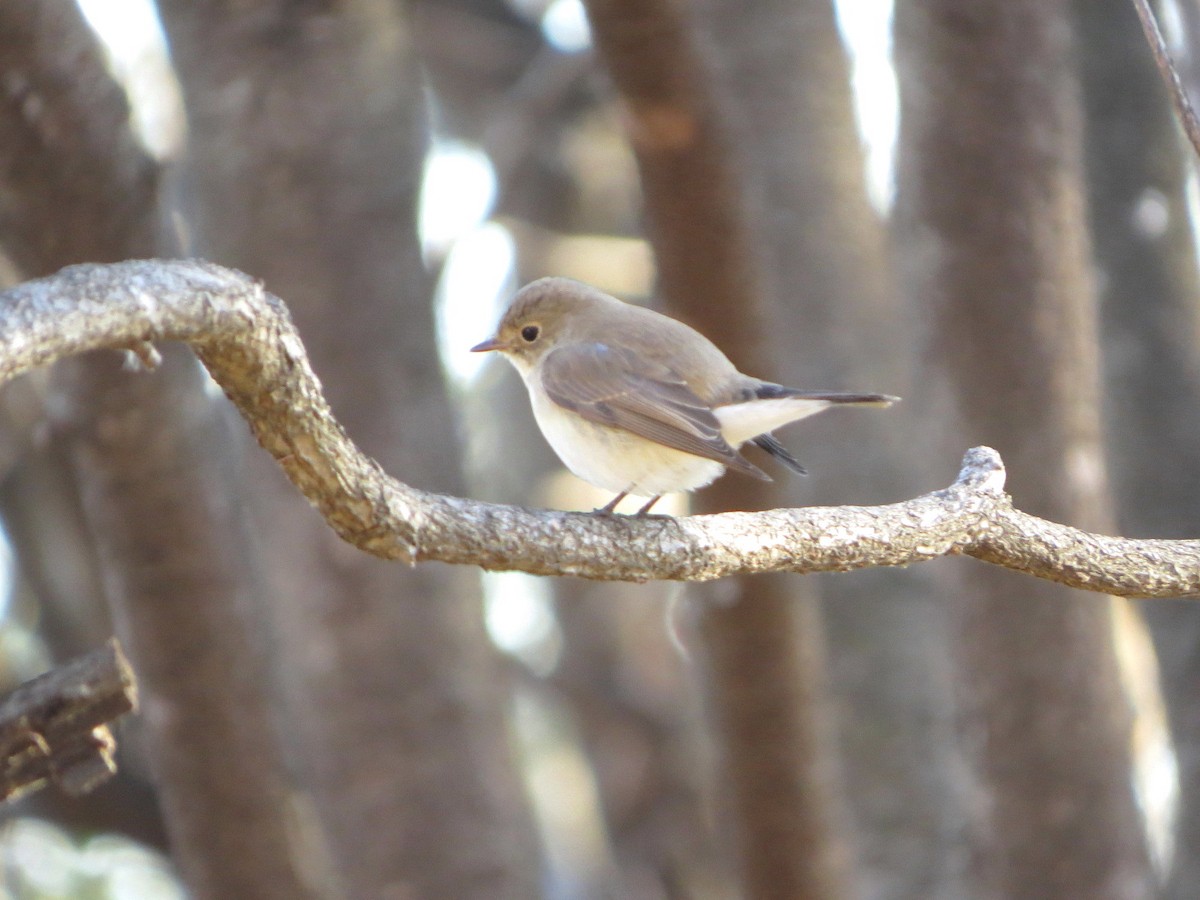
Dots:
pixel 637 402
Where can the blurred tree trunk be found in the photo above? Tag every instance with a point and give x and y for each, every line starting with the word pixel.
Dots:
pixel 991 228
pixel 619 678
pixel 1145 260
pixel 44 520
pixel 837 325
pixel 1145 257
pixel 641 724
pixel 147 452
pixel 155 456
pixel 303 168
pixel 762 636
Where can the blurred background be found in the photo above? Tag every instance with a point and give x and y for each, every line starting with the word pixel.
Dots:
pixel 986 208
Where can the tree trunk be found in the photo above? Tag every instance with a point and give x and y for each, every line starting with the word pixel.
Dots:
pixel 151 461
pixel 155 456
pixel 837 325
pixel 1148 280
pixel 306 150
pixel 991 227
pixel 773 740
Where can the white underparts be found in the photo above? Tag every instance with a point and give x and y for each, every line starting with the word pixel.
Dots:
pixel 742 421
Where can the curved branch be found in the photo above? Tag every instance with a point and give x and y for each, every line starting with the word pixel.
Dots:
pixel 246 339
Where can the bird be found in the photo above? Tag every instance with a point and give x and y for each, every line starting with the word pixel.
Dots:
pixel 636 402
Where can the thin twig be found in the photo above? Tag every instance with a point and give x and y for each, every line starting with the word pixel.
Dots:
pixel 1170 75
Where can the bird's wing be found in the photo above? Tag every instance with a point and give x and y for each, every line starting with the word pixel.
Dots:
pixel 610 386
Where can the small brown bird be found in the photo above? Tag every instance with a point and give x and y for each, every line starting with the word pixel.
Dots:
pixel 635 402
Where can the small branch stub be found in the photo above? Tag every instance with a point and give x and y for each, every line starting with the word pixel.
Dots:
pixel 983 471
pixel 55 727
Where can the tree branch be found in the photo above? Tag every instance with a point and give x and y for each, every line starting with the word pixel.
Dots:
pixel 55 726
pixel 1170 75
pixel 245 337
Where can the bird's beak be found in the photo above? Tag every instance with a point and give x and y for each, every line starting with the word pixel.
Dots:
pixel 490 344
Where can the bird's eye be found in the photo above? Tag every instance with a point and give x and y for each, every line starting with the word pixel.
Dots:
pixel 530 333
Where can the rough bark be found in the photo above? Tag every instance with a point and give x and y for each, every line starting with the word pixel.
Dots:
pixel 991 220
pixel 306 152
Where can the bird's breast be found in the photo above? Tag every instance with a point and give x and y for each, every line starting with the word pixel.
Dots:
pixel 613 458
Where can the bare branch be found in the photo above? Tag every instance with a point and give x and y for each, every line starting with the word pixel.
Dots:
pixel 55 726
pixel 1170 75
pixel 246 339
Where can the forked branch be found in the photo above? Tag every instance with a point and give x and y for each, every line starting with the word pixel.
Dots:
pixel 245 337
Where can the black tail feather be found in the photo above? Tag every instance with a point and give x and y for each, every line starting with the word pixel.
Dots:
pixel 769 391
pixel 780 452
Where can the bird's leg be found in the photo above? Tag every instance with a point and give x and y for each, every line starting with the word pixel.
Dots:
pixel 645 510
pixel 607 508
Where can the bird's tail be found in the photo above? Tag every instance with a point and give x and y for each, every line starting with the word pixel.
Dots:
pixel 777 392
pixel 780 452
pixel 818 399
